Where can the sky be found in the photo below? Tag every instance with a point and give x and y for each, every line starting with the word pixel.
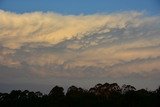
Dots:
pixel 80 6
pixel 82 43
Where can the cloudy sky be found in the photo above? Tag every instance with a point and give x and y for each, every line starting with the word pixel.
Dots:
pixel 47 43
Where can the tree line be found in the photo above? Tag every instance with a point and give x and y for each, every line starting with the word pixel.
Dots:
pixel 101 95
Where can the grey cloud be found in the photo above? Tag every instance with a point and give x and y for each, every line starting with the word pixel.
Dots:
pixel 99 45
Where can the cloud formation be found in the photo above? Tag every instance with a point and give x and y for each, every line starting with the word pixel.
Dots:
pixel 54 28
pixel 98 45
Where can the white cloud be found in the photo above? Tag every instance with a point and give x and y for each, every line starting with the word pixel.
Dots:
pixel 76 46
pixel 52 28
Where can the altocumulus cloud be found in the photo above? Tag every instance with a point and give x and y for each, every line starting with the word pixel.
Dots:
pixel 98 45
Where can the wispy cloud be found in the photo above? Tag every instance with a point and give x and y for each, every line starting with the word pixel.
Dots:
pixel 52 28
pixel 52 44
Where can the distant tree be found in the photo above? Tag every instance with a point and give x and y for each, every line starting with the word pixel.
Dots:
pixel 15 94
pixel 126 88
pixel 57 92
pixel 101 95
pixel 38 94
pixel 75 92
pixel 158 96
pixel 158 91
pixel 105 89
pixel 32 95
pixel 26 92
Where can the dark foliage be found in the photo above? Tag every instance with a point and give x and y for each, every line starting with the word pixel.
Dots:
pixel 101 95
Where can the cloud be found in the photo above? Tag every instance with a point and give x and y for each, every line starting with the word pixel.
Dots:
pixel 52 28
pixel 98 45
pixel 143 67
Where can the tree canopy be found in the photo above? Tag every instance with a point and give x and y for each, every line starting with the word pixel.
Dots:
pixel 101 95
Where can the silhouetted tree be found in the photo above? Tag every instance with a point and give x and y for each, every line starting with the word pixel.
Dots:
pixel 101 95
pixel 126 88
pixel 57 92
pixel 75 92
pixel 38 94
